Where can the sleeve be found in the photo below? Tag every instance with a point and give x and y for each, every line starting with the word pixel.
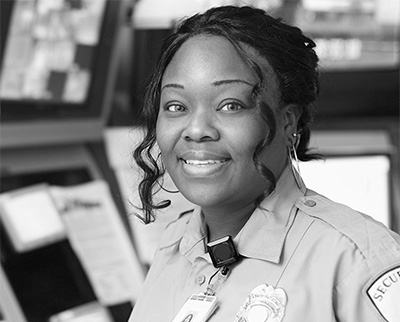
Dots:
pixel 371 299
pixel 371 291
pixel 383 291
pixel 367 281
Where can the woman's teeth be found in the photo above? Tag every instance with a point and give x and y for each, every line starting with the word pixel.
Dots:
pixel 203 162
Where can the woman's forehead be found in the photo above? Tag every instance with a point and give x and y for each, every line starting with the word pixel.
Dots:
pixel 207 57
pixel 213 58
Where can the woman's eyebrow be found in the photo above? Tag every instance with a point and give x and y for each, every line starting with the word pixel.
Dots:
pixel 216 83
pixel 172 85
pixel 230 81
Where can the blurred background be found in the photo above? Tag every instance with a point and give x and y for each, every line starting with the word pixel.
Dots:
pixel 72 76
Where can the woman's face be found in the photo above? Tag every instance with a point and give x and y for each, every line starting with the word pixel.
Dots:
pixel 208 128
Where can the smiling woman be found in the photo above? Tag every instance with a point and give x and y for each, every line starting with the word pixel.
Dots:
pixel 208 128
pixel 229 106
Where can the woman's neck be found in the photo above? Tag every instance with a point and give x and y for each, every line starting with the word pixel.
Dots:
pixel 223 222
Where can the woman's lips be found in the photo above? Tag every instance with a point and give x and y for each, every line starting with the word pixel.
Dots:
pixel 200 164
pixel 203 156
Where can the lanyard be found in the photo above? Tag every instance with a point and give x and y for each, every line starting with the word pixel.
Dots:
pixel 221 276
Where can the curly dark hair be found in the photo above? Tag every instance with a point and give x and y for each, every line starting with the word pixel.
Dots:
pixel 291 55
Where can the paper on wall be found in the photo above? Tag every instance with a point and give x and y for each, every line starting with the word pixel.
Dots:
pixel 100 240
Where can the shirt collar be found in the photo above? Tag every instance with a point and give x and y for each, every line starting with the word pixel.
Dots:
pixel 193 243
pixel 275 215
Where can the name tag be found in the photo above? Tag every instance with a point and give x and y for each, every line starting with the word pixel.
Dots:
pixel 385 294
pixel 198 308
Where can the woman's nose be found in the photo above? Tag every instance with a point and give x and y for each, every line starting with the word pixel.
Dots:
pixel 201 126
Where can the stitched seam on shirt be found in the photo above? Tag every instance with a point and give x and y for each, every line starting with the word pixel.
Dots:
pixel 338 284
pixel 293 252
pixel 348 239
pixel 351 241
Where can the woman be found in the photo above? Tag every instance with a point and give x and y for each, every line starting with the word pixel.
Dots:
pixel 229 107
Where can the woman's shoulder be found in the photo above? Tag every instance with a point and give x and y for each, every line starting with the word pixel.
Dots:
pixel 372 238
pixel 366 253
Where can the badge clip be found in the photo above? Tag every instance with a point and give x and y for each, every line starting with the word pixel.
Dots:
pixel 222 252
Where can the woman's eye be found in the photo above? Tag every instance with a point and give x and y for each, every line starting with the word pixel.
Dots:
pixel 175 108
pixel 231 107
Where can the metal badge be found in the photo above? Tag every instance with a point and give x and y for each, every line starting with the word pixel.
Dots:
pixel 264 304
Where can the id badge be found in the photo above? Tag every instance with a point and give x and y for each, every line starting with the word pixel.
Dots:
pixel 197 308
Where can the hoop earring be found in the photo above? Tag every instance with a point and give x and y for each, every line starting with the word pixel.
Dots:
pixel 294 161
pixel 160 184
pixel 166 190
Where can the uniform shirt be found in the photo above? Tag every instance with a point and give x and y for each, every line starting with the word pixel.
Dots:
pixel 333 263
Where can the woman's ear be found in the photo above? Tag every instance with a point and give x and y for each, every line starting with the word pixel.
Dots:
pixel 291 116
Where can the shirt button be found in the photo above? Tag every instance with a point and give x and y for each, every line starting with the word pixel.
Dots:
pixel 200 279
pixel 310 203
